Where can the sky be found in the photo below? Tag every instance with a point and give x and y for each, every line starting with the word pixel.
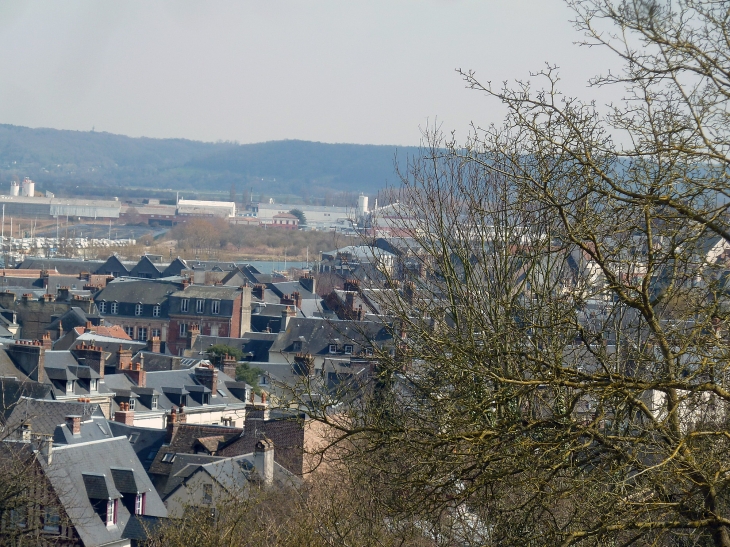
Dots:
pixel 355 71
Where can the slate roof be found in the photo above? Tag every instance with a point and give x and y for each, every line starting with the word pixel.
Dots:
pixel 75 317
pixel 12 390
pixel 208 291
pixel 94 428
pixel 254 345
pixel 289 287
pixel 44 415
pixel 61 265
pixel 146 291
pixel 316 335
pixel 175 267
pixel 113 264
pixel 82 472
pixel 145 441
pixel 145 268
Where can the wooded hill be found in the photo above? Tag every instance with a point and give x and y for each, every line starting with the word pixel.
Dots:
pixel 104 164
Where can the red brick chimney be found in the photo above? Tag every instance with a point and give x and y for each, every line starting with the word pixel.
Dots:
pixel 124 358
pixel 174 419
pixel 46 340
pixel 258 291
pixel 73 422
pixel 154 345
pixel 91 356
pixel 124 415
pixel 137 374
pixel 229 364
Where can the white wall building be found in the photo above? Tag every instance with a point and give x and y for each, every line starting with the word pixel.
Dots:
pixel 194 207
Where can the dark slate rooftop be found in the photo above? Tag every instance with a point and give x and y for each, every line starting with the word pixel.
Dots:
pixel 208 291
pixel 44 415
pixel 82 472
pixel 61 265
pixel 315 335
pixel 145 441
pixel 146 291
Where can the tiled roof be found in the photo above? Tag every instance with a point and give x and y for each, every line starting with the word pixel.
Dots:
pixel 45 415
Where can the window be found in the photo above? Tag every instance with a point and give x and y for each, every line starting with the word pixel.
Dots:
pixel 18 517
pixel 222 393
pixel 93 385
pixel 154 403
pixel 138 309
pixel 111 512
pixel 368 351
pixel 129 331
pixel 132 403
pixel 215 307
pixel 133 438
pixel 183 329
pixel 348 349
pixel 297 346
pixel 102 307
pixel 155 333
pixel 333 348
pixel 51 520
pixel 199 306
pixel 142 334
pixel 70 386
pixel 169 457
pixel 115 308
pixel 139 504
pixel 184 303
pixel 207 493
pixel 156 310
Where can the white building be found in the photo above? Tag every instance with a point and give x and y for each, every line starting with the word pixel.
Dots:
pixel 318 216
pixel 194 207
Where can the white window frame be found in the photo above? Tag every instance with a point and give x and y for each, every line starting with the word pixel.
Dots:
pixel 69 386
pixel 333 348
pixel 153 404
pixel 93 384
pixel 215 307
pixel 132 403
pixel 349 349
pixel 155 332
pixel 139 504
pixel 184 304
pixel 156 310
pixel 129 331
pixel 200 305
pixel 183 329
pixel 102 306
pixel 138 309
pixel 142 334
pixel 111 512
pixel 114 308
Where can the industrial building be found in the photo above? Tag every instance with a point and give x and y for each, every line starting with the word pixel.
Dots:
pixel 198 208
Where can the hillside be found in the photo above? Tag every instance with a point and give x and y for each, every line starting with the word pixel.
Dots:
pixel 104 164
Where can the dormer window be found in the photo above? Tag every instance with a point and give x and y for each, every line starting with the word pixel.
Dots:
pixel 139 504
pixel 297 346
pixel 184 304
pixel 369 351
pixel 132 403
pixel 199 306
pixel 154 403
pixel 138 309
pixel 111 512
pixel 93 385
pixel 215 307
pixel 69 386
pixel 348 349
pixel 333 348
pixel 156 310
pixel 169 457
pixel 102 306
pixel 115 308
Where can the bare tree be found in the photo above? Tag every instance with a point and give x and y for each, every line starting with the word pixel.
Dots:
pixel 561 371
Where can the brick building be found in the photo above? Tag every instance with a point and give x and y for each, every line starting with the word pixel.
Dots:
pixel 208 310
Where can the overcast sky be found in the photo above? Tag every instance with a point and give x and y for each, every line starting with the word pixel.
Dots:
pixel 358 71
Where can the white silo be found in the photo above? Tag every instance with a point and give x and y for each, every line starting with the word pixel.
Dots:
pixel 28 187
pixel 362 205
pixel 14 188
